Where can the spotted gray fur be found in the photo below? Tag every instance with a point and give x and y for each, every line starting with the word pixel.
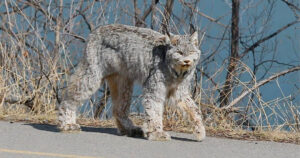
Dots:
pixel 124 55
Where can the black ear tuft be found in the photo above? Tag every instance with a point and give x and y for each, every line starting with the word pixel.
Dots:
pixel 192 28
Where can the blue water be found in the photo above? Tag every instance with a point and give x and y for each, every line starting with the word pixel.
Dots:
pixel 284 47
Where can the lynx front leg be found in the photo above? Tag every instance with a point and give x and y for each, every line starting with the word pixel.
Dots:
pixel 194 113
pixel 153 102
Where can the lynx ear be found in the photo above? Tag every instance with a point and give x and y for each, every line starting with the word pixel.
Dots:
pixel 174 39
pixel 194 38
pixel 162 40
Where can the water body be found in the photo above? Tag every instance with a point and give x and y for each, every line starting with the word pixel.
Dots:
pixel 284 48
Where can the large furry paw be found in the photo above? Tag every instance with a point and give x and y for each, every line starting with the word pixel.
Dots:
pixel 133 132
pixel 159 136
pixel 200 133
pixel 69 127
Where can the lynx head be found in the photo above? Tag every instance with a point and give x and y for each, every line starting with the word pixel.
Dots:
pixel 182 55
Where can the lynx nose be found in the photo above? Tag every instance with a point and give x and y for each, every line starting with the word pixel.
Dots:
pixel 188 62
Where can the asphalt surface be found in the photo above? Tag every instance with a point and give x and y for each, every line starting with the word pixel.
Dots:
pixel 24 140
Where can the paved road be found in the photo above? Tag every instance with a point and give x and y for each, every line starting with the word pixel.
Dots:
pixel 24 140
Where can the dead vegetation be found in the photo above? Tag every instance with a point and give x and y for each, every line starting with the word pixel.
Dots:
pixel 42 42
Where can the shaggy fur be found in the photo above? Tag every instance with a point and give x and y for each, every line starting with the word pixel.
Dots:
pixel 123 55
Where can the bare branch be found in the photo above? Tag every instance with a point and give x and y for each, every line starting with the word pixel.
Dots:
pixel 291 5
pixel 136 13
pixel 141 21
pixel 202 14
pixel 148 11
pixel 234 54
pixel 167 15
pixel 240 97
pixel 41 9
pixel 256 44
pixel 90 25
pixel 15 10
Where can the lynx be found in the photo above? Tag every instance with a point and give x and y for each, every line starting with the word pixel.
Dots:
pixel 125 55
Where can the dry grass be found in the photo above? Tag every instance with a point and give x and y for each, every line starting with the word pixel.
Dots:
pixel 32 97
pixel 221 127
pixel 34 69
pixel 226 131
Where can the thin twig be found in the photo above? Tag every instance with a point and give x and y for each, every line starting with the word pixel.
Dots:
pixel 259 84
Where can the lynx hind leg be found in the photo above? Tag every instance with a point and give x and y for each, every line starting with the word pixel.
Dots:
pixel 82 85
pixel 67 117
pixel 194 113
pixel 121 92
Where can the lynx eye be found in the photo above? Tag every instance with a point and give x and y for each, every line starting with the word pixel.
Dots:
pixel 180 52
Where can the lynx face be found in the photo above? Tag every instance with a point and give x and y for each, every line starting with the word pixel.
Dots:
pixel 183 54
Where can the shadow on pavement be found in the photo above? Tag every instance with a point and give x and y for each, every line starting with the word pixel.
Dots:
pixel 183 139
pixel 43 127
pixel 113 131
pixel 53 128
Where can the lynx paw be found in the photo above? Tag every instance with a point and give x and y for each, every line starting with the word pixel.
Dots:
pixel 200 134
pixel 69 128
pixel 159 136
